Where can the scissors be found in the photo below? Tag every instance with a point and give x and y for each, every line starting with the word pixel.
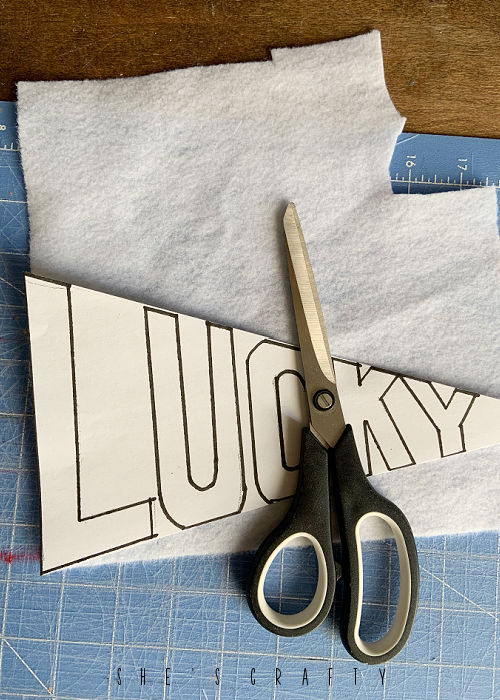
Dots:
pixel 331 477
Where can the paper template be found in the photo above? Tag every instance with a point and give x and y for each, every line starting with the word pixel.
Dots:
pixel 149 422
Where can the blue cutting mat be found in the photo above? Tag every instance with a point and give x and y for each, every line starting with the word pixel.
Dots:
pixel 87 633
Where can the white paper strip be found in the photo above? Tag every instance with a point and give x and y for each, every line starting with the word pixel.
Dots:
pixel 150 422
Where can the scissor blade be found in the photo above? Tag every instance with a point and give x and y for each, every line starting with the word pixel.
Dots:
pixel 312 315
pixel 314 347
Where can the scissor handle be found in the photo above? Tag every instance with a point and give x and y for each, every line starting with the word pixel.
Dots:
pixel 356 500
pixel 309 517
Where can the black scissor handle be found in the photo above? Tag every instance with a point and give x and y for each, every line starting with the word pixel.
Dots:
pixel 309 517
pixel 356 500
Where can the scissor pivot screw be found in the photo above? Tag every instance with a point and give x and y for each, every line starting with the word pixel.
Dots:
pixel 323 400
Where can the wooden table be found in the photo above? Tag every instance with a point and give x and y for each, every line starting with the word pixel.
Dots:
pixel 442 59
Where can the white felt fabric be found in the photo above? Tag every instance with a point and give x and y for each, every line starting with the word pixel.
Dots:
pixel 170 189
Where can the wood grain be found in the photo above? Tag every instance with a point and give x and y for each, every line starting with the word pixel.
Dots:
pixel 442 59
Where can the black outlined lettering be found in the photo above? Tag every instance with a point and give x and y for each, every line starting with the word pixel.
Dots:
pixel 176 433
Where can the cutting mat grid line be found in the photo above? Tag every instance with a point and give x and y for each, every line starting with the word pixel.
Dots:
pixel 86 633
